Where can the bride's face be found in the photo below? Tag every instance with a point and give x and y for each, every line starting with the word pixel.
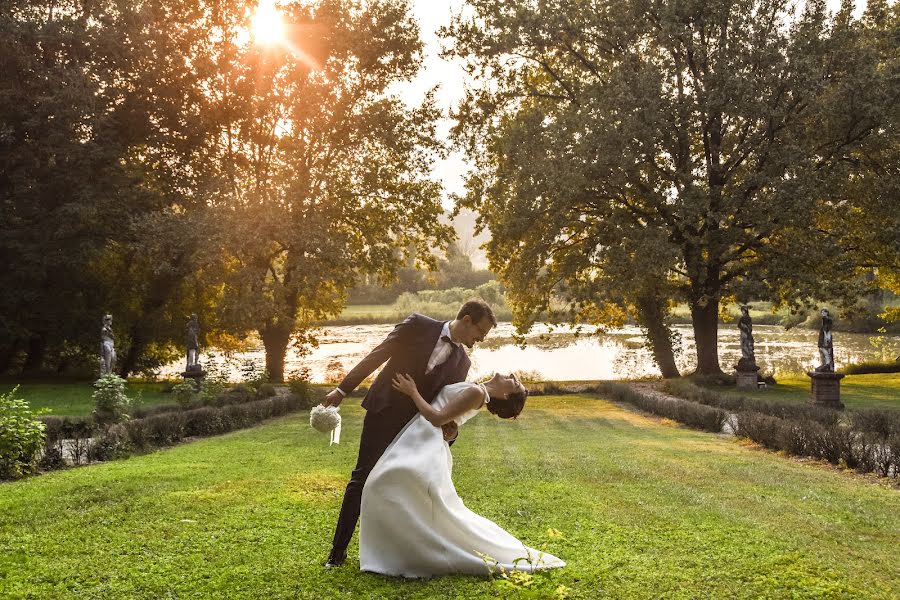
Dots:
pixel 507 384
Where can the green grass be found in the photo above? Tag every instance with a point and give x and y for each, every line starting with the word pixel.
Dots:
pixel 74 399
pixel 646 509
pixel 879 390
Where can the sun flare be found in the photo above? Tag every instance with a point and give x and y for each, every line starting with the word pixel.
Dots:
pixel 267 25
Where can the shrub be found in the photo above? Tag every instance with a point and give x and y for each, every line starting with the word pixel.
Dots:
pixel 867 367
pixel 265 390
pixel 303 390
pixel 114 443
pixel 690 413
pixel 184 393
pixel 74 435
pixel 21 436
pixel 111 405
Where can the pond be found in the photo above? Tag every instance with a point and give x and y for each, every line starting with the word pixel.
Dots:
pixel 560 354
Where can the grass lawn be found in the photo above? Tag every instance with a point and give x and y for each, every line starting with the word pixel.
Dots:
pixel 646 509
pixel 879 390
pixel 72 399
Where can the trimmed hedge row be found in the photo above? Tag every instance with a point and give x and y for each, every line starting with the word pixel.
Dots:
pixel 167 429
pixel 837 443
pixel 690 413
pixel 880 421
pixel 866 440
pixel 81 439
pixel 865 368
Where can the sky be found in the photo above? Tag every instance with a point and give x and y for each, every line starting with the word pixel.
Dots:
pixel 449 76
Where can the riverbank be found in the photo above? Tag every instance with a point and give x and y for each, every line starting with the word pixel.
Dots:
pixel 760 312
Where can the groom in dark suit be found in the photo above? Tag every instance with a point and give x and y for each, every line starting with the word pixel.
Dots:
pixel 427 350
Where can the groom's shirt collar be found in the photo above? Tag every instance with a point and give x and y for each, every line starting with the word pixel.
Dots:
pixel 442 349
pixel 446 332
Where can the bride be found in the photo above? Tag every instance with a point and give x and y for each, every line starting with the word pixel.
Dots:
pixel 412 521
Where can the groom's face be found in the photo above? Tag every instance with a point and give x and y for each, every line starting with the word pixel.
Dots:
pixel 474 331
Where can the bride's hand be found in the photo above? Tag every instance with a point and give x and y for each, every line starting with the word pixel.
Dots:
pixel 404 383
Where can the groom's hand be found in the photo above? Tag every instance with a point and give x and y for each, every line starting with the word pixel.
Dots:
pixel 333 398
pixel 451 431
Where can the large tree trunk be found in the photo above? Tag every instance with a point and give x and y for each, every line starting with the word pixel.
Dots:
pixel 128 361
pixel 8 354
pixel 705 318
pixel 652 317
pixel 34 359
pixel 275 338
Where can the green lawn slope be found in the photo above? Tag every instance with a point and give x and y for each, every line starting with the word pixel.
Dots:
pixel 645 509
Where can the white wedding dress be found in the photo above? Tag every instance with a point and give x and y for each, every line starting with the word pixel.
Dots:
pixel 412 522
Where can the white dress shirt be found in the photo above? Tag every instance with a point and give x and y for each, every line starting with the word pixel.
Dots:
pixel 441 350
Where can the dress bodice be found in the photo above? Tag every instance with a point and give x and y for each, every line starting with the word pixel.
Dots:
pixel 453 390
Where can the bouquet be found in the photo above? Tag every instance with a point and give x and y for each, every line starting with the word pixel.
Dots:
pixel 327 420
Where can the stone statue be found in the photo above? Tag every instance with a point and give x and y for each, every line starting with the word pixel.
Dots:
pixel 107 347
pixel 826 347
pixel 193 344
pixel 748 354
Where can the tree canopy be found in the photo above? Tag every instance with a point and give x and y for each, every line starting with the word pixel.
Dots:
pixel 158 160
pixel 630 154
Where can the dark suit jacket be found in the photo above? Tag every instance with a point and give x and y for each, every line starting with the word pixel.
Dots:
pixel 407 350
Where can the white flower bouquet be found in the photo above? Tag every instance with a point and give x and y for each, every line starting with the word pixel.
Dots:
pixel 326 419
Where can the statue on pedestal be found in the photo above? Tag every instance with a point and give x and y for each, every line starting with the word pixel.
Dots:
pixel 193 370
pixel 193 344
pixel 826 346
pixel 107 347
pixel 826 384
pixel 748 354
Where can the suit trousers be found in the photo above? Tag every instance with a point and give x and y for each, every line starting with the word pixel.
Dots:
pixel 379 430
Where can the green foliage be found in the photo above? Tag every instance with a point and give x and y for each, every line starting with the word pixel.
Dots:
pixel 861 440
pixel 444 304
pixel 184 393
pixel 868 367
pixel 690 413
pixel 215 382
pixel 697 152
pixel 21 436
pixel 253 375
pixel 111 404
pixel 301 387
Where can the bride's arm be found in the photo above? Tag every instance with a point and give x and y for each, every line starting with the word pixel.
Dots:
pixel 465 401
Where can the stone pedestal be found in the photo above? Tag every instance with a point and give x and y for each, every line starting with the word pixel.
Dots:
pixel 745 373
pixel 826 389
pixel 196 373
pixel 746 379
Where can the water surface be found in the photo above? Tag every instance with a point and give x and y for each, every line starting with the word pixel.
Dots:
pixel 560 354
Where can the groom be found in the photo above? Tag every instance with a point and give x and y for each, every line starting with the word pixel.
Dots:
pixel 430 352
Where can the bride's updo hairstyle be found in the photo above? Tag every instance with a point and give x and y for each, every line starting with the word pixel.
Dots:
pixel 509 407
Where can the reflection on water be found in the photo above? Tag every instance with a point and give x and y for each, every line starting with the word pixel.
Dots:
pixel 558 354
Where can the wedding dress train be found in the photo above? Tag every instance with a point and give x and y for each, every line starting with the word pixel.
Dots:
pixel 412 521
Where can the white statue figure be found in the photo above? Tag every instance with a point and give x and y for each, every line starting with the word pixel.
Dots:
pixel 826 346
pixel 107 347
pixel 193 343
pixel 745 325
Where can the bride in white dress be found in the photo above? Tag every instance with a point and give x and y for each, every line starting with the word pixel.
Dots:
pixel 412 522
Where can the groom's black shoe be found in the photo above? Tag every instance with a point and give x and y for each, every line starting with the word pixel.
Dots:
pixel 336 558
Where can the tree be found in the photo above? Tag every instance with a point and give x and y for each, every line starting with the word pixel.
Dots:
pixel 631 154
pixel 325 171
pixel 104 164
pixel 61 182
